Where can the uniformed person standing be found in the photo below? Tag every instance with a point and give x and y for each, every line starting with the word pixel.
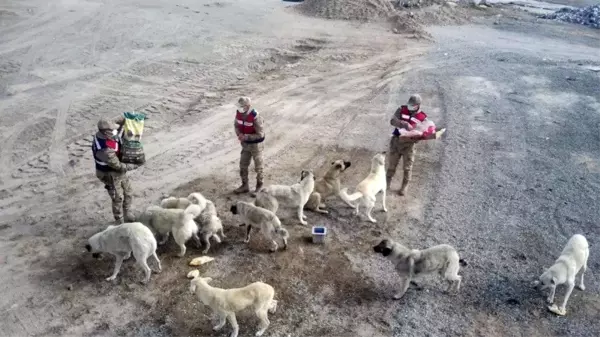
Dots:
pixel 407 117
pixel 249 129
pixel 111 171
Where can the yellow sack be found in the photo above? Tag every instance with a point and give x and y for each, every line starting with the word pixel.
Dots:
pixel 132 149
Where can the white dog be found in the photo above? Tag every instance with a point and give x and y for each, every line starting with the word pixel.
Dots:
pixel 183 203
pixel 265 220
pixel 227 302
pixel 178 221
pixel 296 195
pixel 120 241
pixel 572 259
pixel 367 189
pixel 210 225
pixel 442 259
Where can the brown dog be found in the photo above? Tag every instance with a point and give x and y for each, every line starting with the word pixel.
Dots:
pixel 327 186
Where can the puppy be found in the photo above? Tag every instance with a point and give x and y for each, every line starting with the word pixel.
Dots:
pixel 265 220
pixel 210 225
pixel 413 262
pixel 572 259
pixel 179 221
pixel 367 189
pixel 120 241
pixel 227 302
pixel 173 202
pixel 296 195
pixel 327 186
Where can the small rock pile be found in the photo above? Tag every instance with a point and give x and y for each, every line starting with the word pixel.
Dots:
pixel 587 16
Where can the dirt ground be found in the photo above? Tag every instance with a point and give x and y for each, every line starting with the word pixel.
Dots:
pixel 516 175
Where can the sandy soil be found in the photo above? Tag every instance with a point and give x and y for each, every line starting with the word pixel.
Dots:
pixel 515 177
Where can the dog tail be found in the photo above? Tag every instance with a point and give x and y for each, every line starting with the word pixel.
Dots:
pixel 349 198
pixel 463 263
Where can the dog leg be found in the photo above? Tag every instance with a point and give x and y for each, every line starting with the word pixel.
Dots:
pixel 274 246
pixel 206 242
pixel 301 216
pixel 157 262
pixel 118 263
pixel 127 256
pixel 570 286
pixel 216 238
pixel 147 271
pixel 403 287
pixel 383 200
pixel 196 240
pixel 164 239
pixel 221 233
pixel 369 210
pixel 182 250
pixel 248 230
pixel 234 325
pixel 581 286
pixel 264 321
pixel 551 296
pixel 222 320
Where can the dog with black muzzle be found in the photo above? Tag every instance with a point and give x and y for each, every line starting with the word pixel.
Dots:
pixel 410 263
pixel 121 241
pixel 327 186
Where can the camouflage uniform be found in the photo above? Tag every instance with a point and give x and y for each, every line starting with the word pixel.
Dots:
pixel 402 147
pixel 252 145
pixel 112 172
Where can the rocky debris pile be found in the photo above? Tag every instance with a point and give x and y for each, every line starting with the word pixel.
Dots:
pixel 363 10
pixel 587 16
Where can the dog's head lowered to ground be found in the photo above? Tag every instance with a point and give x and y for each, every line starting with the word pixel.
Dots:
pixel 385 247
pixel 233 209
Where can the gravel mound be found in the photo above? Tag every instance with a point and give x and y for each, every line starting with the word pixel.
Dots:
pixel 363 10
pixel 587 16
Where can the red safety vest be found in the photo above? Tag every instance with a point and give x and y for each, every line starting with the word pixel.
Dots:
pixel 246 124
pixel 100 144
pixel 413 121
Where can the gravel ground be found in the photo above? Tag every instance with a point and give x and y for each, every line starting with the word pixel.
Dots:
pixel 515 177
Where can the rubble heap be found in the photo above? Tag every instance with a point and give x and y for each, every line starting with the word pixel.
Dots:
pixel 587 16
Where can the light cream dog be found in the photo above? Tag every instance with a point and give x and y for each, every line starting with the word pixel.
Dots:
pixel 178 221
pixel 296 195
pixel 572 259
pixel 183 203
pixel 209 225
pixel 227 302
pixel 442 259
pixel 367 189
pixel 327 186
pixel 121 241
pixel 265 220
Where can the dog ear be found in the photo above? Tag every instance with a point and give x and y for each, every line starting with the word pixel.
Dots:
pixel 88 247
pixel 553 281
pixel 233 209
pixel 386 251
pixel 347 164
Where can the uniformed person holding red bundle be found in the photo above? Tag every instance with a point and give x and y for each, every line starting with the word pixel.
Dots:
pixel 248 126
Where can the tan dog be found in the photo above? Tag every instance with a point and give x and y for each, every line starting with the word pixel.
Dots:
pixel 227 302
pixel 266 221
pixel 327 186
pixel 409 263
pixel 295 195
pixel 368 188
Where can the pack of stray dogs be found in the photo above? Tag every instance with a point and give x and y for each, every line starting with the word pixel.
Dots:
pixel 196 218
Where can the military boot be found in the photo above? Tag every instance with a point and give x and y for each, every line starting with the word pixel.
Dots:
pixel 244 187
pixel 129 217
pixel 405 180
pixel 259 185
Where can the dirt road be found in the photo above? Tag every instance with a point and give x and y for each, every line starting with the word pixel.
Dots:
pixel 516 175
